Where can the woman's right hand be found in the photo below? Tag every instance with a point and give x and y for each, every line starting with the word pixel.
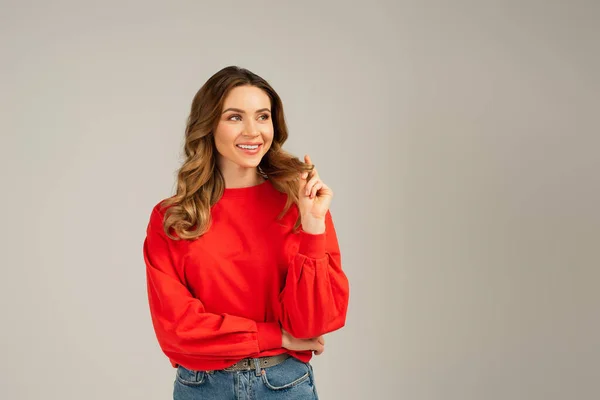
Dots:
pixel 291 343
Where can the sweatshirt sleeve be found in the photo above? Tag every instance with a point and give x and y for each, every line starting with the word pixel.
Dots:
pixel 181 323
pixel 314 300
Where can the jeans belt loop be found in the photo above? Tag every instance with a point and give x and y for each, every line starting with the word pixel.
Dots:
pixel 257 368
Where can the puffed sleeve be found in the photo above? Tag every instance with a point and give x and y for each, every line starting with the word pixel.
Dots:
pixel 314 300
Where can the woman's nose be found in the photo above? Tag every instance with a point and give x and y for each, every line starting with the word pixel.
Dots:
pixel 251 129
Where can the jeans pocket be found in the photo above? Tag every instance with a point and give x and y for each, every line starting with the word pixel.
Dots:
pixel 190 377
pixel 290 373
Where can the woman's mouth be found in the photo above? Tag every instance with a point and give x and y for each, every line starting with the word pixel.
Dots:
pixel 250 149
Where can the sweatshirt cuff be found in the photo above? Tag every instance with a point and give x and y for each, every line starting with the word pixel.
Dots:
pixel 312 246
pixel 269 335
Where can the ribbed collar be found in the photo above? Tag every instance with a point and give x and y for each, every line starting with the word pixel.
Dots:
pixel 247 192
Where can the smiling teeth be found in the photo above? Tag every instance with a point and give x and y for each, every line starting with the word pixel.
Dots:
pixel 243 146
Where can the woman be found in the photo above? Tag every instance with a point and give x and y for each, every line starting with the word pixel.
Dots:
pixel 243 266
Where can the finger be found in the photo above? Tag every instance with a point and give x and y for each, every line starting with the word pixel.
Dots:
pixel 316 188
pixel 313 172
pixel 325 190
pixel 321 339
pixel 319 348
pixel 308 175
pixel 302 182
pixel 303 179
pixel 310 184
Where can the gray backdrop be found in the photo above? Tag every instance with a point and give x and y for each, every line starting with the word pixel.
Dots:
pixel 461 140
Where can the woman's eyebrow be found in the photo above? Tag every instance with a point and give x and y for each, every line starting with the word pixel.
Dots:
pixel 243 112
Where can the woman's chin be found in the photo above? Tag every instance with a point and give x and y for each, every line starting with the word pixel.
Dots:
pixel 249 162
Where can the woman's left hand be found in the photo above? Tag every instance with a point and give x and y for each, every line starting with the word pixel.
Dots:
pixel 314 199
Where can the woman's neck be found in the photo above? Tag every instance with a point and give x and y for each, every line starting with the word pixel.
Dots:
pixel 243 177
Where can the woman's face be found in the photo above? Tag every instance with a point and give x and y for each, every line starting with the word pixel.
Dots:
pixel 245 130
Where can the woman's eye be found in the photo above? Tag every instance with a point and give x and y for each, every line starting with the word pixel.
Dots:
pixel 263 116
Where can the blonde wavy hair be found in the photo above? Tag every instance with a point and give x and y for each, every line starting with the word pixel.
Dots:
pixel 200 183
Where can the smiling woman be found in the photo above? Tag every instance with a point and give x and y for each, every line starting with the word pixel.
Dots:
pixel 240 305
pixel 243 135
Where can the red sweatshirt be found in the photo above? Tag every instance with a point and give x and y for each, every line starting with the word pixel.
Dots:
pixel 226 295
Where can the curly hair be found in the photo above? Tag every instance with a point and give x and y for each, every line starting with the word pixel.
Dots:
pixel 200 183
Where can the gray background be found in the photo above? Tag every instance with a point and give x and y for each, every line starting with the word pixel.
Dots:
pixel 461 140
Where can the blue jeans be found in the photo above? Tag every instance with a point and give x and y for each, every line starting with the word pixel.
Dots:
pixel 291 379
